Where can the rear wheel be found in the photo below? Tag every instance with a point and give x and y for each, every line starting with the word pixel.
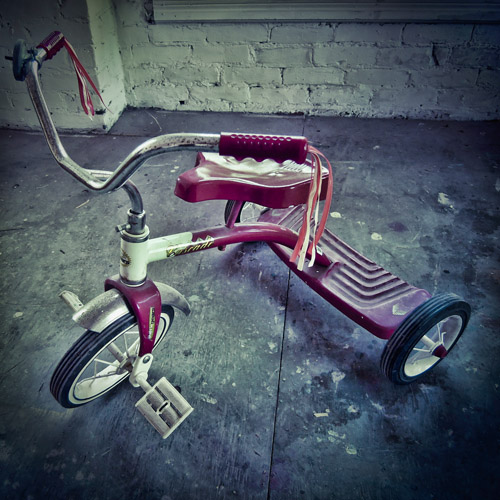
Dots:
pixel 425 338
pixel 97 362
pixel 248 211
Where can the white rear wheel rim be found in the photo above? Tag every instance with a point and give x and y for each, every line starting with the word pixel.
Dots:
pixel 420 358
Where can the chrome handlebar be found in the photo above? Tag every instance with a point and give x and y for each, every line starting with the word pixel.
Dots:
pixel 117 178
pixel 26 63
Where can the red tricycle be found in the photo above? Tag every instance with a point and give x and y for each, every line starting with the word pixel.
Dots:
pixel 273 186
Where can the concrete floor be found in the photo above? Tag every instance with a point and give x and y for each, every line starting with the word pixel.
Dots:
pixel 289 399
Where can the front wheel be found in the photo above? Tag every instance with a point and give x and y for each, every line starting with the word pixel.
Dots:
pixel 424 338
pixel 97 362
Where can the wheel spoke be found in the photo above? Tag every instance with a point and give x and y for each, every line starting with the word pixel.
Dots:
pixel 440 334
pixel 103 373
pixel 99 376
pixel 97 360
pixel 422 350
pixel 132 350
pixel 427 341
pixel 115 351
pixel 117 354
pixel 133 346
pixel 127 347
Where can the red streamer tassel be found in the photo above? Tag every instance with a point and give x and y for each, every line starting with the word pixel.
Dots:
pixel 83 77
pixel 304 245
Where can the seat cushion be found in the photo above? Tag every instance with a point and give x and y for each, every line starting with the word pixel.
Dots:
pixel 267 183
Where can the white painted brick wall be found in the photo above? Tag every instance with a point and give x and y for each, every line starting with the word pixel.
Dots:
pixel 425 34
pixel 352 69
pixel 108 64
pixel 283 56
pixel 345 69
pixel 368 33
pixel 314 75
pixel 204 53
pixel 252 76
pixel 301 33
pixel 90 27
pixel 247 33
pixel 346 56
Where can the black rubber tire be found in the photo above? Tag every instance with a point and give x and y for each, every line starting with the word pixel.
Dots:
pixel 87 348
pixel 412 330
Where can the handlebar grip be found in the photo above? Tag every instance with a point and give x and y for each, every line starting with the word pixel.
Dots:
pixel 260 147
pixel 52 44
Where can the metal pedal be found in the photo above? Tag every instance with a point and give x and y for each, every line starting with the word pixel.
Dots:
pixel 164 407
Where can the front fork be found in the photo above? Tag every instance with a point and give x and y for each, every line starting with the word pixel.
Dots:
pixel 145 302
pixel 139 292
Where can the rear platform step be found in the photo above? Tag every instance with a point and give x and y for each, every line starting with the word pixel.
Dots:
pixel 361 289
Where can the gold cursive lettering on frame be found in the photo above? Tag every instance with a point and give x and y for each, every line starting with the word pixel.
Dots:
pixel 193 246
